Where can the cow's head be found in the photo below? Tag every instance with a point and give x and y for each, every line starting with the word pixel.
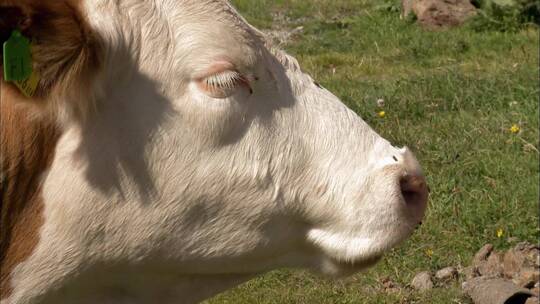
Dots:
pixel 215 147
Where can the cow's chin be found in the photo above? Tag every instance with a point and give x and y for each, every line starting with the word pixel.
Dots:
pixel 335 268
pixel 344 255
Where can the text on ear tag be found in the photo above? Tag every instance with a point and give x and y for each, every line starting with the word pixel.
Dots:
pixel 29 85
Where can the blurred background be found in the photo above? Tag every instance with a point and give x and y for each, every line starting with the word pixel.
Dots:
pixel 458 82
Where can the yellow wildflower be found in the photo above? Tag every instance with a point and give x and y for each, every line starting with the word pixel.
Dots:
pixel 500 232
pixel 429 252
pixel 514 128
pixel 381 114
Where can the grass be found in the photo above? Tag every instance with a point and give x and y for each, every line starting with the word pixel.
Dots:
pixel 452 97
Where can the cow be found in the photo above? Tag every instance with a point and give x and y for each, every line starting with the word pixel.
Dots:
pixel 166 151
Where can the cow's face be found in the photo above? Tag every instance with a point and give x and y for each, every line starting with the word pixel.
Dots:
pixel 187 138
pixel 257 165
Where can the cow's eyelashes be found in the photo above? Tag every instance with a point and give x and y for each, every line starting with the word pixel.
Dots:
pixel 223 84
pixel 227 79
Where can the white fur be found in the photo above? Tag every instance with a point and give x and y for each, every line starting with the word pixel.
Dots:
pixel 167 195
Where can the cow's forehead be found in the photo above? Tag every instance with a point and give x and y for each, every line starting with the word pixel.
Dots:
pixel 204 31
pixel 182 36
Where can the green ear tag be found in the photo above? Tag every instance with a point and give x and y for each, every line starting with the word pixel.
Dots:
pixel 18 64
pixel 17 58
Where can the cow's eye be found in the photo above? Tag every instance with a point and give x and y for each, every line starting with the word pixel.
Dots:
pixel 223 84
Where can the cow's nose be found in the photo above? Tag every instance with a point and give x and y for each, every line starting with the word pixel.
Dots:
pixel 415 193
pixel 413 185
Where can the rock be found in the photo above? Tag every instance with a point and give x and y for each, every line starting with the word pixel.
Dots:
pixel 484 290
pixel 530 251
pixel 525 246
pixel 482 254
pixel 521 256
pixel 446 274
pixel 532 300
pixel 512 263
pixel 527 277
pixel 493 267
pixel 470 272
pixel 437 14
pixel 422 281
pixel 535 291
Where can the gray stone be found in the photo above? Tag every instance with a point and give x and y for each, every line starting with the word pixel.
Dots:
pixel 484 290
pixel 446 274
pixel 493 267
pixel 422 281
pixel 523 255
pixel 483 253
pixel 512 263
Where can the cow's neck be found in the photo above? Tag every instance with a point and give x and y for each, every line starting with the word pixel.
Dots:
pixel 143 286
pixel 27 147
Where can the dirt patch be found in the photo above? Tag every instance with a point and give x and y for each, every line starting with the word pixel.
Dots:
pixel 438 14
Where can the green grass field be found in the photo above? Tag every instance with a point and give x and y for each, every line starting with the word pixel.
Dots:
pixel 451 96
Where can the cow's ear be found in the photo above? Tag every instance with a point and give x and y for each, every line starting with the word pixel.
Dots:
pixel 65 52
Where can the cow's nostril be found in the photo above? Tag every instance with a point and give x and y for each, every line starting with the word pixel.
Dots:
pixel 414 190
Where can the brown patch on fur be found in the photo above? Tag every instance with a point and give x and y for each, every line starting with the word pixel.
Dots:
pixel 65 54
pixel 65 51
pixel 27 144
